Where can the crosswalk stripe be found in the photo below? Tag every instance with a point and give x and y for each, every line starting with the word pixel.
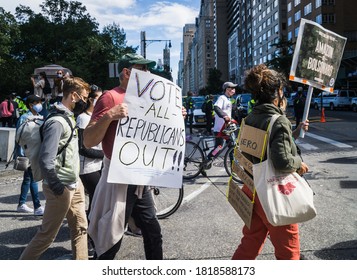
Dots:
pixel 329 141
pixel 306 146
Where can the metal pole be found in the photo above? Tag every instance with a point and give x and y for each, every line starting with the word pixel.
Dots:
pixel 306 109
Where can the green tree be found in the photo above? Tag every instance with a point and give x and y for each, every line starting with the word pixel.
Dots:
pixel 63 33
pixel 283 57
pixel 214 82
pixel 9 32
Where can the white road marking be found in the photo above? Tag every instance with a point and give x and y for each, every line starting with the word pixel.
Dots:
pixel 329 141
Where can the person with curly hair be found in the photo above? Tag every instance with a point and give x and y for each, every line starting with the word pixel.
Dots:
pixel 266 86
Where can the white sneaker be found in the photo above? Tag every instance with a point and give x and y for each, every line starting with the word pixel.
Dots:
pixel 39 211
pixel 24 209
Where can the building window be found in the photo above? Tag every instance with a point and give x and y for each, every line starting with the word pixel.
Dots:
pixel 296 32
pixel 328 18
pixel 328 2
pixel 289 21
pixel 276 15
pixel 319 19
pixel 290 36
pixel 289 7
pixel 297 16
pixel 296 2
pixel 317 3
pixel 307 9
pixel 276 29
pixel 275 3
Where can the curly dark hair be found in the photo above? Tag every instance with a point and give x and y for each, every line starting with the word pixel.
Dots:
pixel 263 83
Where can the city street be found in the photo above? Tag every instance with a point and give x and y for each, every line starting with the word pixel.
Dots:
pixel 207 227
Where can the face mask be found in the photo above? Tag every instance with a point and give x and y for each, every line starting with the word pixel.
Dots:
pixel 59 75
pixel 79 107
pixel 37 108
pixel 94 102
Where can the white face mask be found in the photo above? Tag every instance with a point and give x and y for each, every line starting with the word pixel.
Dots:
pixel 94 102
pixel 37 108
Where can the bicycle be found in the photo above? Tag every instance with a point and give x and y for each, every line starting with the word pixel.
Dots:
pixel 168 200
pixel 196 160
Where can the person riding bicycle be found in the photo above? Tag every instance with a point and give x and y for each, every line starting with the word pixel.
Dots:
pixel 223 110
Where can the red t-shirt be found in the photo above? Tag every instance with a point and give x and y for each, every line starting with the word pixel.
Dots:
pixel 107 101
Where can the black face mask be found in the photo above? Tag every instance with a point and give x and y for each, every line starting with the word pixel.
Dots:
pixel 79 107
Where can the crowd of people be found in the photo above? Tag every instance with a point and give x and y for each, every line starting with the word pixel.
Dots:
pixel 83 167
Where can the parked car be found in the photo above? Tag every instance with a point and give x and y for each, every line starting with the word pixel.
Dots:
pixel 340 98
pixel 199 118
pixel 354 104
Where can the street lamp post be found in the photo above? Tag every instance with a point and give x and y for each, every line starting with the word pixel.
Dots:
pixel 145 43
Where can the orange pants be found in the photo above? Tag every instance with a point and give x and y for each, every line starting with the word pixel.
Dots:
pixel 285 239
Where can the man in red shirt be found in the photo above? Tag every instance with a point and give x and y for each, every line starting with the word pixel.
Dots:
pixel 113 204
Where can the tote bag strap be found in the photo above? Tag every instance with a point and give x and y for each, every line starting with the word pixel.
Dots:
pixel 270 127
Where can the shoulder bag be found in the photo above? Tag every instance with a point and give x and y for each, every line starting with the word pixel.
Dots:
pixel 286 198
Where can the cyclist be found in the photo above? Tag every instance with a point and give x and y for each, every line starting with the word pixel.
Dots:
pixel 223 110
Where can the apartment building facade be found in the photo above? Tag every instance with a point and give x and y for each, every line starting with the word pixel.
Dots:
pixel 250 30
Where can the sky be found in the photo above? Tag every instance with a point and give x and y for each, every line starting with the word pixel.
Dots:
pixel 161 20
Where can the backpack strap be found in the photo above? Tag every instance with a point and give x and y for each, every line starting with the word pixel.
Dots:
pixel 59 113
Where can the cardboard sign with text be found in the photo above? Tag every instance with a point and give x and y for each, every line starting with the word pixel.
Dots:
pixel 252 140
pixel 317 56
pixel 149 145
pixel 247 180
pixel 243 161
pixel 240 202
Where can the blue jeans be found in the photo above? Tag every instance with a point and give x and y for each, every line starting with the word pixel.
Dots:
pixel 29 183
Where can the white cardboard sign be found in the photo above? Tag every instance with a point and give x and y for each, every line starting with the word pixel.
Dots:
pixel 149 145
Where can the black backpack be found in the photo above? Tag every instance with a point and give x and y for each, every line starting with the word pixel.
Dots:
pixel 47 89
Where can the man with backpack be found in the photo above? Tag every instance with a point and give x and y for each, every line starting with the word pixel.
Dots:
pixel 62 187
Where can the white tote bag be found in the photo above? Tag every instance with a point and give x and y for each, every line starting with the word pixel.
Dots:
pixel 286 198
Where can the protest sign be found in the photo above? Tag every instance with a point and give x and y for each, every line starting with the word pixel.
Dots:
pixel 317 56
pixel 149 145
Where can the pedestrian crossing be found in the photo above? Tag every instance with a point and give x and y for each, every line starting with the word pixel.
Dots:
pixel 304 144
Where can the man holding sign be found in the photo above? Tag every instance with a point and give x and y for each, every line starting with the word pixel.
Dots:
pixel 114 203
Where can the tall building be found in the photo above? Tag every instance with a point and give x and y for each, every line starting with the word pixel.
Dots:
pixel 166 56
pixel 232 33
pixel 220 37
pixel 188 35
pixel 205 42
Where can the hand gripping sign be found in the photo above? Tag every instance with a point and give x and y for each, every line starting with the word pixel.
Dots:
pixel 149 145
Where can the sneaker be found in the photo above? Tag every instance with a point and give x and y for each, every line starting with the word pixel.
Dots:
pixel 131 233
pixel 39 211
pixel 208 164
pixel 24 209
pixel 91 250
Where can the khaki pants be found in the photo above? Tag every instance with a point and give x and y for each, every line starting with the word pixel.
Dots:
pixel 70 205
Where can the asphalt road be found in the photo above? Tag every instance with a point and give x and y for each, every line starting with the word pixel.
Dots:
pixel 206 227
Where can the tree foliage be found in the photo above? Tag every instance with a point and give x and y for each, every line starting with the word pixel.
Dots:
pixel 283 57
pixel 63 33
pixel 214 82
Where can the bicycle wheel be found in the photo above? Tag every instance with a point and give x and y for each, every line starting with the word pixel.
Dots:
pixel 228 164
pixel 193 162
pixel 167 200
